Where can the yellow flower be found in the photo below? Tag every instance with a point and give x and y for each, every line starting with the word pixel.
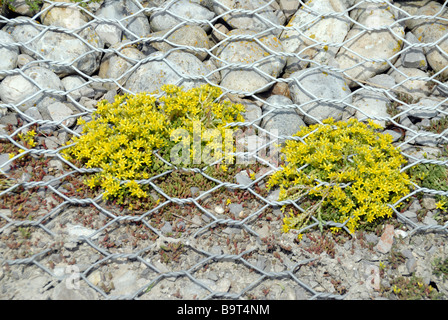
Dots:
pixel 441 205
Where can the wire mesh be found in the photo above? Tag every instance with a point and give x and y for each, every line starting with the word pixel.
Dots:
pixel 113 47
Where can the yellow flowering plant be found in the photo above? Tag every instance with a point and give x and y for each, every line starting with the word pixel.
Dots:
pixel 345 172
pixel 123 136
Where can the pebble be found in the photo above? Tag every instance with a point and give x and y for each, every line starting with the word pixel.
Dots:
pixel 316 85
pixel 9 54
pixel 281 122
pixel 386 240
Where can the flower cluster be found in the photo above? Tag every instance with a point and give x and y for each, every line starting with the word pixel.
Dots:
pixel 122 137
pixel 344 171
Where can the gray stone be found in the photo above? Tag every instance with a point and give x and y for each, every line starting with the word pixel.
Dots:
pixel 418 88
pixel 314 86
pixel 60 112
pixel 115 67
pixel 60 47
pixel 189 35
pixel 411 215
pixel 252 113
pixel 411 265
pixel 75 231
pixel 16 88
pixel 161 20
pixel 247 52
pixel 151 76
pixel 413 57
pixel 77 88
pixel 63 292
pixel 280 121
pixel 429 221
pixel 429 202
pixel 119 10
pixel 424 109
pixel 124 281
pixel 167 228
pixel 10 118
pixel 239 20
pixel 378 44
pixel 4 158
pixel 33 113
pixel 235 208
pixel 9 54
pixel 66 17
pixel 432 31
pixel 302 40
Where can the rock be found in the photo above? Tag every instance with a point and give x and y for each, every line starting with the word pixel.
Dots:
pixel 386 240
pixel 219 209
pixel 23 59
pixel 111 33
pixel 248 21
pixel 75 231
pixel 411 265
pixel 65 17
pixel 4 158
pixel 248 52
pixel 431 31
pixel 16 88
pixel 63 292
pixel 9 54
pixel 316 85
pixel 64 48
pixel 77 88
pixel 413 57
pixel 192 36
pixel 430 221
pixel 371 105
pixel 235 208
pixel 115 67
pixel 289 7
pixel 418 88
pixel 167 228
pixel 373 280
pixel 124 281
pixel 409 215
pixel 280 121
pixel 243 178
pixel 161 20
pixel 22 7
pixel 59 111
pixel 151 76
pixel 422 138
pixel 307 30
pixel 219 32
pixel 375 44
pixel 252 113
pixel 442 89
pixel 424 109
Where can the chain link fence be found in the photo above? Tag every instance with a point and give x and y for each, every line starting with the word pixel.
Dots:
pixel 289 62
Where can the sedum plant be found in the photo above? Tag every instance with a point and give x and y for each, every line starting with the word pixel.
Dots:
pixel 123 136
pixel 344 171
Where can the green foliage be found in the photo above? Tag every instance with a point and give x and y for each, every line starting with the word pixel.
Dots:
pixel 432 176
pixel 124 136
pixel 413 288
pixel 441 268
pixel 348 173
